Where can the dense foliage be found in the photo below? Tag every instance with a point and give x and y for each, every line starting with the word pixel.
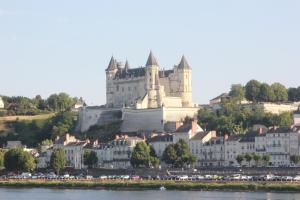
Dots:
pixel 103 133
pixel 90 158
pixel 31 133
pixel 19 105
pixel 178 155
pixel 143 155
pixel 58 160
pixel 233 118
pixel 1 158
pixel 18 160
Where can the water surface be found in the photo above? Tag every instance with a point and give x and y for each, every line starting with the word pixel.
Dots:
pixel 72 194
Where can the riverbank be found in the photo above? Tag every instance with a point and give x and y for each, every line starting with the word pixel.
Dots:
pixel 154 185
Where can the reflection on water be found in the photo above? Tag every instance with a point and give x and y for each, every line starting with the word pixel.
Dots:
pixel 54 194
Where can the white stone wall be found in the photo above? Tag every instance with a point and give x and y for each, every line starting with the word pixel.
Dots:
pixel 1 103
pixel 296 118
pixel 142 120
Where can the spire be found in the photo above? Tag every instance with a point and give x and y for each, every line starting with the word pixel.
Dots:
pixel 126 65
pixel 151 60
pixel 183 64
pixel 112 64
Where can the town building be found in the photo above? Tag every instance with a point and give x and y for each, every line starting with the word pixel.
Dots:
pixel 1 103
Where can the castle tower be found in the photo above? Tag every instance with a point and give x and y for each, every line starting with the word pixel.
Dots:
pixel 152 70
pixel 111 71
pixel 185 81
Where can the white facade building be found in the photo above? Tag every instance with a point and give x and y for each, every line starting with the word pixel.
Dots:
pixel 1 103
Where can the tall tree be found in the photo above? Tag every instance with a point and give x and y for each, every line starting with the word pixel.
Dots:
pixel 257 158
pixel 266 158
pixel 252 90
pixel 140 155
pixel 17 160
pixel 90 158
pixel 280 92
pixel 58 160
pixel 266 93
pixel 295 159
pixel 170 155
pixel 239 159
pixel 237 92
pixel 248 158
pixel 1 158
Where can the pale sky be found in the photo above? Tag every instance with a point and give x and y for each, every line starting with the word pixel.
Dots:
pixel 65 45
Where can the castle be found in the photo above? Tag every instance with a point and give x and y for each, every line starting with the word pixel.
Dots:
pixel 144 98
pixel 149 86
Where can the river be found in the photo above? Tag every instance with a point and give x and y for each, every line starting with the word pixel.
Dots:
pixel 69 194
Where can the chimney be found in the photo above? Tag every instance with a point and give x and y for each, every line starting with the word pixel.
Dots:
pixel 194 126
pixel 260 131
pixel 125 136
pixel 117 137
pixel 226 137
pixel 178 124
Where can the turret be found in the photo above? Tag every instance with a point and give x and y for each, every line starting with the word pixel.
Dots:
pixel 152 70
pixel 185 77
pixel 111 71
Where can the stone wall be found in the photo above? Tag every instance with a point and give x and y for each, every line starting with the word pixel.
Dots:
pixel 95 115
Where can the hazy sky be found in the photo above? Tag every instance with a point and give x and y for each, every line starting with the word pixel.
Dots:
pixel 59 45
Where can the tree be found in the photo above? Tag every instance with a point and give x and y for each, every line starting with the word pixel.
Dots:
pixel 252 90
pixel 178 155
pixel 266 93
pixel 140 155
pixel 237 92
pixel 280 92
pixel 257 158
pixel 90 158
pixel 184 157
pixel 1 158
pixel 248 158
pixel 293 94
pixel 206 119
pixel 284 119
pixel 240 159
pixel 60 102
pixel 170 155
pixel 58 160
pixel 62 123
pixel 18 160
pixel 295 159
pixel 266 158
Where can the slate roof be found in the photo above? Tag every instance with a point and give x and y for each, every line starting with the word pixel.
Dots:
pixel 200 135
pixel 136 72
pixel 184 128
pixel 151 60
pixel 112 64
pixel 280 130
pixel 234 138
pixel 249 136
pixel 183 64
pixel 223 95
pixel 161 138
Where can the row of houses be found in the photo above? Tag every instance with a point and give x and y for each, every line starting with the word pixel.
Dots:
pixel 115 154
pixel 210 149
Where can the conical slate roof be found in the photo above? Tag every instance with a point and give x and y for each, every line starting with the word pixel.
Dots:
pixel 126 65
pixel 112 64
pixel 151 60
pixel 183 64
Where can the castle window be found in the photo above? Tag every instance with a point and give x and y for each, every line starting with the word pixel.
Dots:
pixel 129 88
pixel 122 89
pixel 117 88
